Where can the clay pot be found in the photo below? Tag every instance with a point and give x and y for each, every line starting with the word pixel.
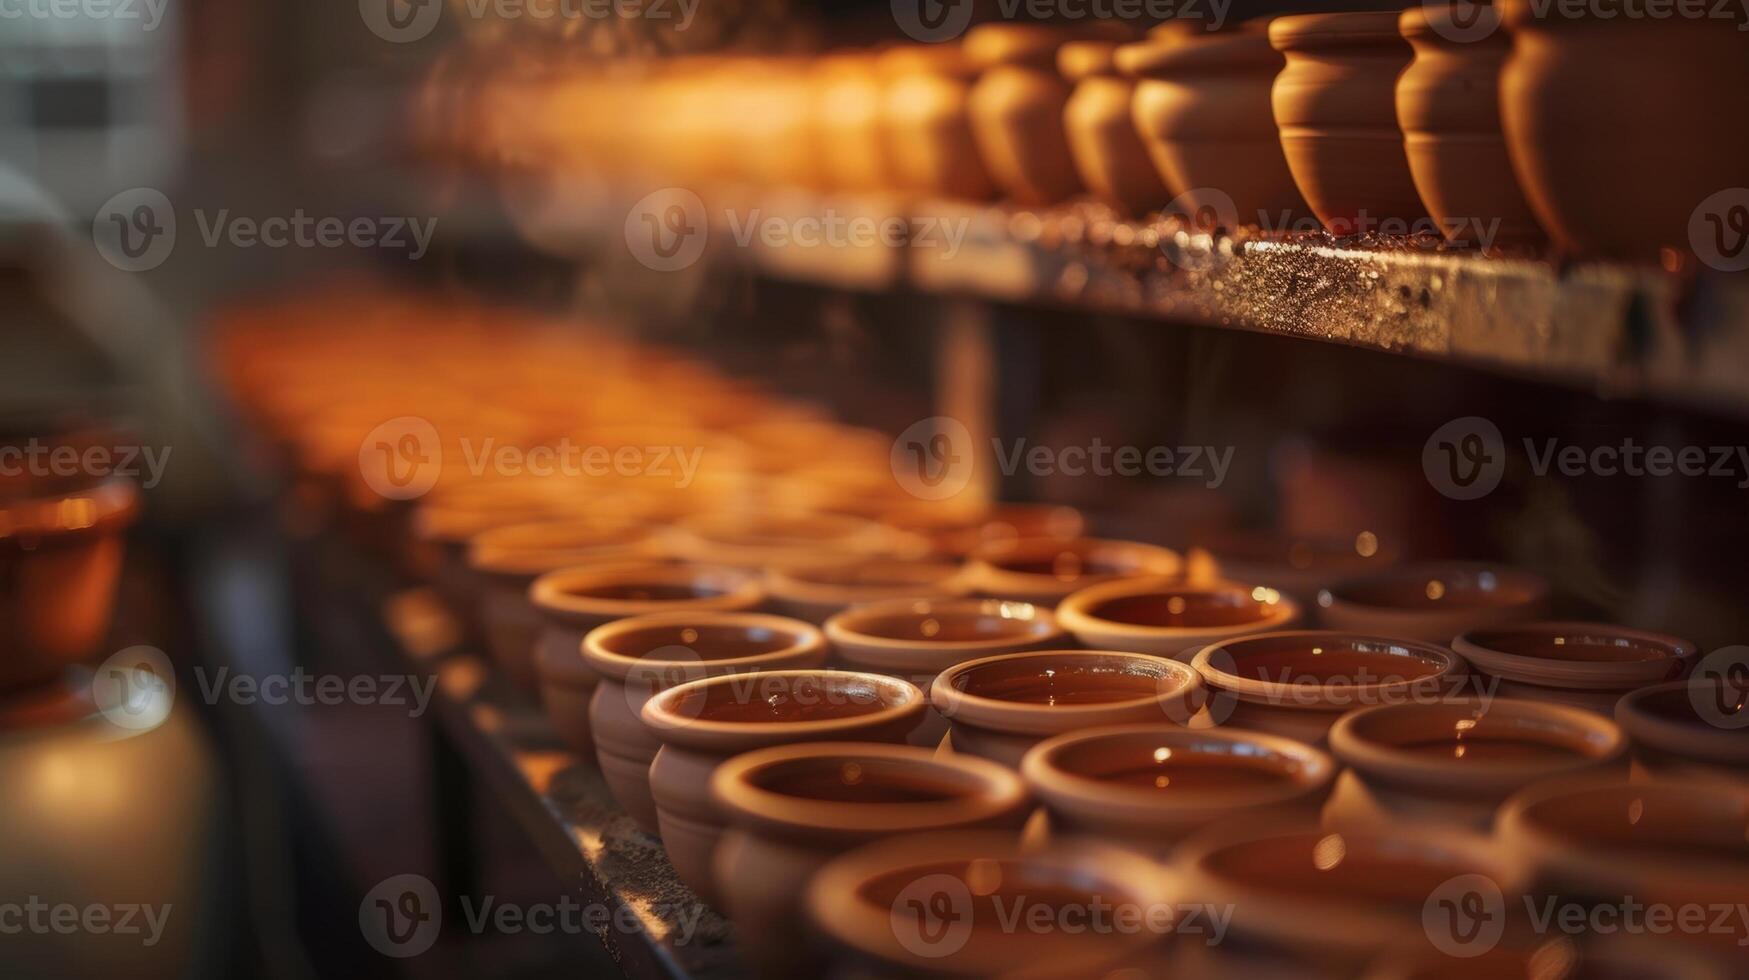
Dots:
pixel 443 527
pixel 1103 143
pixel 60 557
pixel 1434 602
pixel 1202 110
pixel 960 535
pixel 927 124
pixel 1587 665
pixel 1660 99
pixel 817 592
pixel 1691 729
pixel 916 639
pixel 1298 683
pixel 1457 762
pixel 793 808
pixel 1167 618
pixel 1047 570
pixel 847 119
pixel 640 657
pixel 1335 106
pixel 999 707
pixel 703 723
pixel 881 909
pixel 1619 957
pixel 760 541
pixel 1448 106
pixel 1151 785
pixel 1300 566
pixel 507 560
pixel 1017 110
pixel 573 601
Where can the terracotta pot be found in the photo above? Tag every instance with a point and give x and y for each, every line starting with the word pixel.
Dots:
pixel 881 909
pixel 1017 110
pixel 1298 683
pixel 918 639
pixel 1107 152
pixel 1202 110
pixel 1620 956
pixel 60 557
pixel 1687 729
pixel 927 124
pixel 1301 566
pixel 1660 99
pixel 1151 785
pixel 1587 665
pixel 847 117
pixel 792 809
pixel 1335 106
pixel 507 560
pixel 999 707
pixel 816 592
pixel 1047 570
pixel 1448 106
pixel 1434 602
pixel 701 724
pixel 443 526
pixel 1457 762
pixel 1333 901
pixel 761 541
pixel 960 532
pixel 640 657
pixel 1167 618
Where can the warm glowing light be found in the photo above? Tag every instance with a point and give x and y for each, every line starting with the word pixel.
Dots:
pixel 1329 852
pixel 689 635
pixel 1366 544
pixel 1176 605
pixel 850 773
pixel 1162 753
pixel 1435 589
pixel 984 876
pixel 930 627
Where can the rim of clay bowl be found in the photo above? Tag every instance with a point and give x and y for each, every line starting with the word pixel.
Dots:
pixel 803 644
pixel 898 700
pixel 1211 662
pixel 988 564
pixel 1177 694
pixel 847 631
pixel 1699 740
pixel 555 593
pixel 1477 647
pixel 1077 611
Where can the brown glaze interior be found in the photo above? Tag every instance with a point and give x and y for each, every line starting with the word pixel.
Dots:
pixel 1064 680
pixel 1579 647
pixel 784 699
pixel 964 625
pixel 688 643
pixel 849 779
pixel 1480 737
pixel 995 885
pixel 1383 874
pixel 1458 589
pixel 646 592
pixel 1648 824
pixel 1325 659
pixel 1196 768
pixel 1186 609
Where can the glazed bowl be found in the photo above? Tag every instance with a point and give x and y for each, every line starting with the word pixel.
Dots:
pixel 762 541
pixel 793 808
pixel 703 723
pixel 1588 665
pixel 1046 570
pixel 927 125
pixel 1300 566
pixel 816 592
pixel 1695 728
pixel 1335 107
pixel 1107 152
pixel 1152 785
pixel 1298 683
pixel 1457 762
pixel 1017 109
pixel 880 909
pixel 1433 602
pixel 999 707
pixel 640 657
pixel 1167 618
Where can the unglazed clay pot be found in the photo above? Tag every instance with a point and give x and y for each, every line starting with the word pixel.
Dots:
pixel 1335 106
pixel 1298 683
pixel 793 808
pixel 1017 110
pixel 927 126
pixel 816 592
pixel 1448 106
pixel 1300 566
pixel 1103 143
pixel 703 723
pixel 507 560
pixel 1434 602
pixel 1167 618
pixel 640 657
pixel 1588 665
pixel 916 639
pixel 1660 99
pixel 881 909
pixel 1151 785
pixel 573 601
pixel 445 524
pixel 60 558
pixel 1202 109
pixel 999 707
pixel 1697 728
pixel 761 541
pixel 1457 762
pixel 847 119
pixel 1047 570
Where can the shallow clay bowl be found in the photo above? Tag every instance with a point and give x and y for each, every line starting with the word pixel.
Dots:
pixel 1168 618
pixel 1434 602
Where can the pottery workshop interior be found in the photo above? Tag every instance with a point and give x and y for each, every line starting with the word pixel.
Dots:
pixel 859 489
